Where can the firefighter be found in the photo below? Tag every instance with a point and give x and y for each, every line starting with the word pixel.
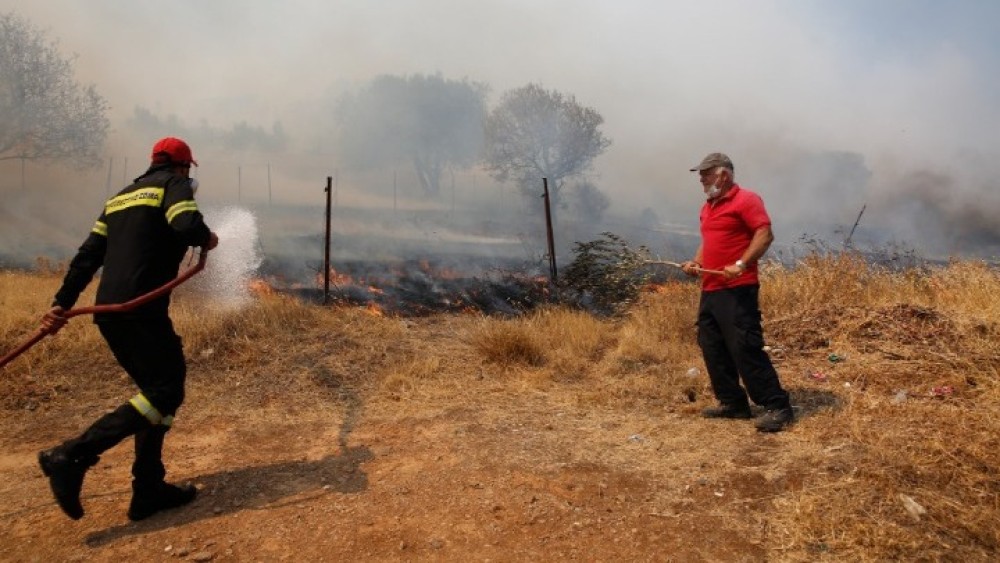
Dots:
pixel 140 239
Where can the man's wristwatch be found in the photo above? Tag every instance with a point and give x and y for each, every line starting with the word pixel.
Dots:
pixel 741 265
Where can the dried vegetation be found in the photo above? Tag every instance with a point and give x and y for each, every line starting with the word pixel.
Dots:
pixel 894 376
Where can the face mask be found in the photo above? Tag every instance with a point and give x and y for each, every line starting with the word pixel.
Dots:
pixel 713 192
pixel 194 185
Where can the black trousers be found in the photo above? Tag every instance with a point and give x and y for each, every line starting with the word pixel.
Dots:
pixel 152 354
pixel 732 344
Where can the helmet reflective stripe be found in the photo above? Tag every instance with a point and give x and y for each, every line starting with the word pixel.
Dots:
pixel 146 409
pixel 180 207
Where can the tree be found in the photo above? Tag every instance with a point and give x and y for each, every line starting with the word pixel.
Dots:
pixel 589 202
pixel 432 122
pixel 241 137
pixel 44 112
pixel 535 133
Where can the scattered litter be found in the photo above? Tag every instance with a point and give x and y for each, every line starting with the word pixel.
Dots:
pixel 834 358
pixel 912 506
pixel 942 391
pixel 636 438
pixel 816 375
pixel 693 372
pixel 900 397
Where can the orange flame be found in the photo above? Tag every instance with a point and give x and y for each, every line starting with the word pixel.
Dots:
pixel 260 287
pixel 335 278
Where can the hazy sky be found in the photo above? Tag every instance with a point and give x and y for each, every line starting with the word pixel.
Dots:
pixel 911 86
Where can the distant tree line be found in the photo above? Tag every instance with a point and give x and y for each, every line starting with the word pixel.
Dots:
pixel 240 137
pixel 437 123
pixel 432 123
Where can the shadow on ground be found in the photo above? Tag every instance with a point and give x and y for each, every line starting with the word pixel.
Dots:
pixel 257 487
pixel 810 401
pixel 253 488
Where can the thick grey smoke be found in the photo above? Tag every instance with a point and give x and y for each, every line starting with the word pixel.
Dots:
pixel 824 107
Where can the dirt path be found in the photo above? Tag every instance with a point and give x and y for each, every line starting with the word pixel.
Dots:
pixel 480 470
pixel 529 484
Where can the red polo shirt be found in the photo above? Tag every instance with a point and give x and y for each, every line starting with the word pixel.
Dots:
pixel 727 226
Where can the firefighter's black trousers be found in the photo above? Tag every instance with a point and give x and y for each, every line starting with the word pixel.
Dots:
pixel 732 344
pixel 152 354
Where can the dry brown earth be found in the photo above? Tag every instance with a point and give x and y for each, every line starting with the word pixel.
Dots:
pixel 320 435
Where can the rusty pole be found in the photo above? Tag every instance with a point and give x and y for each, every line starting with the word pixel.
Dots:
pixel 548 234
pixel 326 246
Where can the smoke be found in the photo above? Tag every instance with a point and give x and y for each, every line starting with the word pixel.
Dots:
pixel 950 211
pixel 824 107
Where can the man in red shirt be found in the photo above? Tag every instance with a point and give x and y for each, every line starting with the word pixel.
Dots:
pixel 735 233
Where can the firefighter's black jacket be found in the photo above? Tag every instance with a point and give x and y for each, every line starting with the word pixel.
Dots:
pixel 140 239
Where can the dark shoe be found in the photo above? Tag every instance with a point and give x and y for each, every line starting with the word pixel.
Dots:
pixel 66 478
pixel 148 501
pixel 728 411
pixel 775 420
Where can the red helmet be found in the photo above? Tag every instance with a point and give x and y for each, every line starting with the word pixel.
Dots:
pixel 173 150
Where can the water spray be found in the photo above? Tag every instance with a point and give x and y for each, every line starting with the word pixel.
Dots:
pixel 226 281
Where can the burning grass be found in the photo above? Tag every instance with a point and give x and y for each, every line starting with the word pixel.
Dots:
pixel 894 375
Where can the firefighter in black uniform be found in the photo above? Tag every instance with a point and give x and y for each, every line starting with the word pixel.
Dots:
pixel 140 240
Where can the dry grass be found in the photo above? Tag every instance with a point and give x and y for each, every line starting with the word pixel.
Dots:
pixel 910 416
pixel 919 408
pixel 77 353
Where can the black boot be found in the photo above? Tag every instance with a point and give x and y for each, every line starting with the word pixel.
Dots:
pixel 148 464
pixel 150 494
pixel 147 500
pixel 776 420
pixel 66 465
pixel 728 411
pixel 66 478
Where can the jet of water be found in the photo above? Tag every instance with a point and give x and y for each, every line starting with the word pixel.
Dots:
pixel 231 265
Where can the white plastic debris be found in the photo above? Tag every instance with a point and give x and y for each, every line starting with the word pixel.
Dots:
pixel 912 506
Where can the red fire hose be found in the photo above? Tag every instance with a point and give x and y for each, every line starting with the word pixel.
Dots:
pixel 113 308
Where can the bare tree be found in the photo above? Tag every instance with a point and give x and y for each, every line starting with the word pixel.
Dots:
pixel 44 112
pixel 429 121
pixel 535 133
